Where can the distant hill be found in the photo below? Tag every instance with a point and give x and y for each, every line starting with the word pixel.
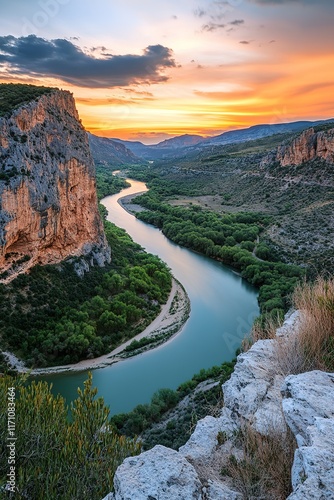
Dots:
pixel 108 151
pixel 181 141
pixel 260 131
pixel 168 148
pixel 186 144
pixel 138 148
pixel 289 176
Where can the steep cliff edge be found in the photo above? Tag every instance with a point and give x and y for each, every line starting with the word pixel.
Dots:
pixel 309 145
pixel 47 187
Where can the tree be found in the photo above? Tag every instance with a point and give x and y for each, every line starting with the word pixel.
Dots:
pixel 56 457
pixel 263 252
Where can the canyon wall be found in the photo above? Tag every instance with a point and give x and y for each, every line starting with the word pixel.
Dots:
pixel 308 146
pixel 48 197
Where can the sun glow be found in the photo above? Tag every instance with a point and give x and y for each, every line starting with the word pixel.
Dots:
pixel 137 70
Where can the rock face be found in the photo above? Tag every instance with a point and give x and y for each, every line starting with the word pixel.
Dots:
pixel 308 407
pixel 308 146
pixel 256 394
pixel 157 474
pixel 253 391
pixel 48 193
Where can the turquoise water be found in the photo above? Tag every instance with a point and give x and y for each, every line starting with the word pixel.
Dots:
pixel 223 307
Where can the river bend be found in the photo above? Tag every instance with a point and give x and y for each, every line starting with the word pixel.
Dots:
pixel 223 307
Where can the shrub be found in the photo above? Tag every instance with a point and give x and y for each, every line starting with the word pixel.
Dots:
pixel 15 95
pixel 57 457
pixel 311 345
pixel 263 252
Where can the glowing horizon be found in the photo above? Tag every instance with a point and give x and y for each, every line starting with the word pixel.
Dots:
pixel 139 72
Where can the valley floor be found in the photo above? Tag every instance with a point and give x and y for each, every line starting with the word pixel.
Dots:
pixel 168 323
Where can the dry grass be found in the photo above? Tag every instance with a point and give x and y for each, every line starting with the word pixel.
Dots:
pixel 264 469
pixel 316 331
pixel 261 332
pixel 290 356
pixel 312 346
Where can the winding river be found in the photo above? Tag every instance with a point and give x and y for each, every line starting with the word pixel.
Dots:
pixel 223 307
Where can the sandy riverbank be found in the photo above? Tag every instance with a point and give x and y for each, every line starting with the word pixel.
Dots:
pixel 168 323
pixel 126 203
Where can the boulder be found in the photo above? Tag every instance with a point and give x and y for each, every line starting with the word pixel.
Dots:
pixel 203 441
pixel 306 397
pixel 291 324
pixel 157 474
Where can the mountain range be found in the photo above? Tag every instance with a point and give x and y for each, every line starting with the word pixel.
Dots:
pixel 119 152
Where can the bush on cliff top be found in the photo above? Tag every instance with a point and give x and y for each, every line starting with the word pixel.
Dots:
pixel 14 95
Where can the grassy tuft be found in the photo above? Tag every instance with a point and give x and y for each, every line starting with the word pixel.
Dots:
pixel 311 347
pixel 316 331
pixel 263 328
pixel 263 470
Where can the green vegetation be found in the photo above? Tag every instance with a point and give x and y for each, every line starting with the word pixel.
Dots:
pixel 13 96
pixel 56 456
pixel 52 316
pixel 152 422
pixel 106 183
pixel 324 127
pixel 228 238
pixel 245 177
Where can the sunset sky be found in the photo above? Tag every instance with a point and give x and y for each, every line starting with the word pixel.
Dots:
pixel 145 70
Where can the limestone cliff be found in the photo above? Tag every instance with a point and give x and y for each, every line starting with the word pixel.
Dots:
pixel 48 198
pixel 307 146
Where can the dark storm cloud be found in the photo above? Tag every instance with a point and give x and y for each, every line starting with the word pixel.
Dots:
pixel 37 57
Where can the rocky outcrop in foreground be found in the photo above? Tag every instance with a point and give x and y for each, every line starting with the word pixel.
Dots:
pixel 48 198
pixel 259 395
